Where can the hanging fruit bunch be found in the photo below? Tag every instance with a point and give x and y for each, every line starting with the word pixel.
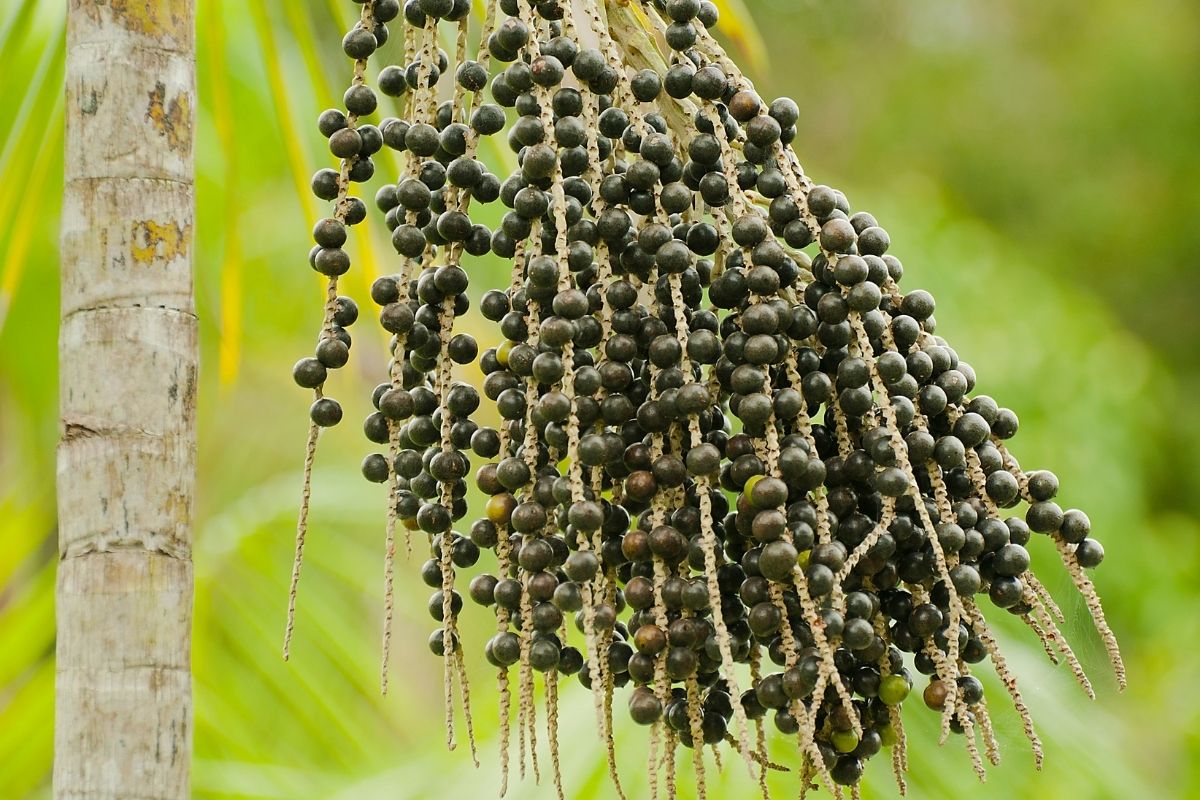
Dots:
pixel 739 481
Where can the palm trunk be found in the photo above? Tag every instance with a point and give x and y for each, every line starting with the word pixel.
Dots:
pixel 127 370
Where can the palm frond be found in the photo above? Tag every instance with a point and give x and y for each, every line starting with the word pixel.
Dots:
pixel 288 126
pixel 230 345
pixel 737 23
pixel 47 72
pixel 15 26
pixel 16 255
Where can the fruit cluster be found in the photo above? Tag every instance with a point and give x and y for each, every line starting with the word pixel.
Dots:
pixel 734 456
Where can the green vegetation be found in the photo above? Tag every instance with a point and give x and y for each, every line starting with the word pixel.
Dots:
pixel 1036 173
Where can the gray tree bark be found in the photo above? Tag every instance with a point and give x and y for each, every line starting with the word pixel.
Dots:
pixel 127 372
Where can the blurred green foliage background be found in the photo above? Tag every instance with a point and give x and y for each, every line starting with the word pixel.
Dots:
pixel 1036 163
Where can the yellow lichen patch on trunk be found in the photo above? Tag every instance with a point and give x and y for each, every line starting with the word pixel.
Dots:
pixel 149 17
pixel 159 241
pixel 173 118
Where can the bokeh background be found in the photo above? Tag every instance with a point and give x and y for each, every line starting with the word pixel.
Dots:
pixel 1036 163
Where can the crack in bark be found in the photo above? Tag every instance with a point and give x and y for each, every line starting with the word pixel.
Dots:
pixel 124 179
pixel 74 431
pixel 150 542
pixel 115 307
